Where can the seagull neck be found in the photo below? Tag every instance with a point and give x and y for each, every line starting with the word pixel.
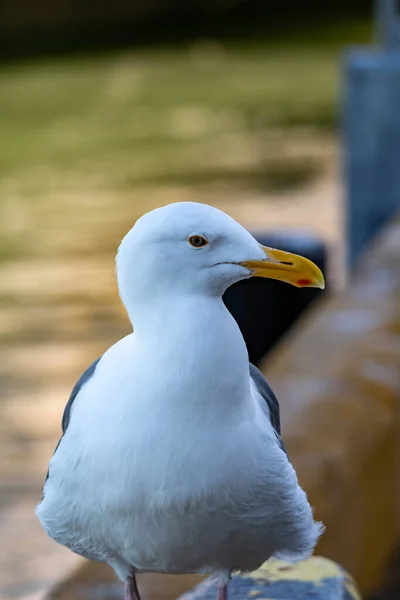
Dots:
pixel 196 341
pixel 178 315
pixel 190 321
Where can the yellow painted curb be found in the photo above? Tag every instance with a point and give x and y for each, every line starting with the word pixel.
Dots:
pixel 314 570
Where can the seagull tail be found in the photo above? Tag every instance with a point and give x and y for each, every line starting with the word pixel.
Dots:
pixel 306 547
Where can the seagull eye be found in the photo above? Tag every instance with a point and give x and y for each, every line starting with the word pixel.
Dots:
pixel 197 241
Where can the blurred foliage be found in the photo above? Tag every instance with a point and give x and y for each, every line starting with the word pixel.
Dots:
pixel 131 106
pixel 28 28
pixel 150 113
pixel 154 125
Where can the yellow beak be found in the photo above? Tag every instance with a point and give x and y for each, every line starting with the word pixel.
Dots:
pixel 284 266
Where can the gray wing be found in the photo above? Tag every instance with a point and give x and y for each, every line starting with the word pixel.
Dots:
pixel 84 378
pixel 266 392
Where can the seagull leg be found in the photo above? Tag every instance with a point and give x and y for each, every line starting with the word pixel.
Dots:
pixel 131 588
pixel 223 587
pixel 222 591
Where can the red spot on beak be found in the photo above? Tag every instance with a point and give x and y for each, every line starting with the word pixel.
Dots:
pixel 303 281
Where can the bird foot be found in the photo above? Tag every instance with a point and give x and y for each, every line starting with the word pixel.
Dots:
pixel 131 589
pixel 222 593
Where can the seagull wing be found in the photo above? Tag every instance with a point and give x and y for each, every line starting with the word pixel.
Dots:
pixel 84 378
pixel 262 386
pixel 265 391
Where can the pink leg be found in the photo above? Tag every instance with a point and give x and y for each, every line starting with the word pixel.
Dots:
pixel 131 589
pixel 222 591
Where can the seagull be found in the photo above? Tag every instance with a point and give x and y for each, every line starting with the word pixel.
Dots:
pixel 171 458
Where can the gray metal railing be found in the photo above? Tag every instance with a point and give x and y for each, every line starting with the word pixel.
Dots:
pixel 388 23
pixel 372 130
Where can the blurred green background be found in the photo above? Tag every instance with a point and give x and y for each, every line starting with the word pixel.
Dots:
pixel 237 95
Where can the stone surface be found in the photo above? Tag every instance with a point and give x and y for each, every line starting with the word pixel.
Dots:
pixel 313 579
pixel 95 581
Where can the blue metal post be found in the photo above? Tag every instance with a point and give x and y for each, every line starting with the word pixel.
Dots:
pixel 372 131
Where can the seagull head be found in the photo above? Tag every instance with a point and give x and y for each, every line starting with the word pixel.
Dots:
pixel 190 248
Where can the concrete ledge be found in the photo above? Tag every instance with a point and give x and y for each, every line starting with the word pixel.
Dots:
pixel 337 377
pixel 313 579
pixel 97 581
